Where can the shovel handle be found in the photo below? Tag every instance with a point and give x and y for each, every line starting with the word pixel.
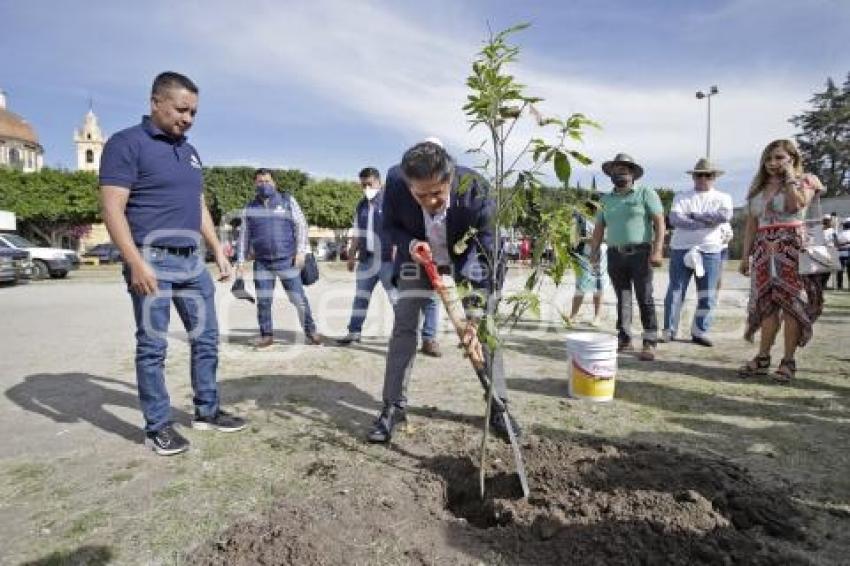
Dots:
pixel 422 254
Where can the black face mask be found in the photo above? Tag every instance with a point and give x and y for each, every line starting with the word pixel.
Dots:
pixel 621 181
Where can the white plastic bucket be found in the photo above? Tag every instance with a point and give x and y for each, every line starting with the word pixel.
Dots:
pixel 592 359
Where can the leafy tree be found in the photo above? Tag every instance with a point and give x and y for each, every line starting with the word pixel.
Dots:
pixel 495 104
pixel 229 189
pixel 330 203
pixel 825 137
pixel 51 203
pixel 666 195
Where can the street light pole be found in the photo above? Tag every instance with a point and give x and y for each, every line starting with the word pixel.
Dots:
pixel 700 95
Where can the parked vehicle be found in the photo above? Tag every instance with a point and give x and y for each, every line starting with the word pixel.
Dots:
pixel 105 253
pixel 53 262
pixel 15 265
pixel 326 250
pixel 8 272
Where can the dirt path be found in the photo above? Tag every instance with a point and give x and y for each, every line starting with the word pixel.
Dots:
pixel 688 465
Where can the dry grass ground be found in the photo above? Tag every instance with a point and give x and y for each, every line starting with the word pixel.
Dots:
pixel 76 486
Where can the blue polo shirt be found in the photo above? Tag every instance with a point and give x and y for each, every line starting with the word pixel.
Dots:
pixel 165 180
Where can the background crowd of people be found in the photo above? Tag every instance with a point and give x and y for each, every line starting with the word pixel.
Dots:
pixel 153 206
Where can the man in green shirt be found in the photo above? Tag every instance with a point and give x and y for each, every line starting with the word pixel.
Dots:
pixel 632 224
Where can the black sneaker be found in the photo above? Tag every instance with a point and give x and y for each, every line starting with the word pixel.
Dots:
pixel 222 421
pixel 166 441
pixel 497 423
pixel 382 429
pixel 702 341
pixel 348 339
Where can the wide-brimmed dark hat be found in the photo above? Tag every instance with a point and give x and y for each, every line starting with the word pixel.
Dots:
pixel 705 166
pixel 623 159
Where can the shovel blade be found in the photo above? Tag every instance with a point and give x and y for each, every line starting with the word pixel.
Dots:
pixel 518 462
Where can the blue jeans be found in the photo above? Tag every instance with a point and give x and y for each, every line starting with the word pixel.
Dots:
pixel 370 270
pixel 265 273
pixel 185 282
pixel 680 277
pixel 431 319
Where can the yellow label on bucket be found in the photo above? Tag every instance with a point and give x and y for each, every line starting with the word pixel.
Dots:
pixel 586 385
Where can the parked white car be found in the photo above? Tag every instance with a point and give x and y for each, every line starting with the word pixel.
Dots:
pixel 52 262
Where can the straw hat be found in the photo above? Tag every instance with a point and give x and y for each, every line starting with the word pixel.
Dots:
pixel 704 166
pixel 623 159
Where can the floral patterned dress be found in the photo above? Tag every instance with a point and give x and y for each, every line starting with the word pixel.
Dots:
pixel 775 282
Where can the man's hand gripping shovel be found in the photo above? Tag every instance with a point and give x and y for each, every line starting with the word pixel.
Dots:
pixel 470 343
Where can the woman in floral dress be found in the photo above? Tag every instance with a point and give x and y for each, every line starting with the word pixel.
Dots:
pixel 773 238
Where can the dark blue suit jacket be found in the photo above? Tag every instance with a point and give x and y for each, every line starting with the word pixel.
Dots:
pixel 403 222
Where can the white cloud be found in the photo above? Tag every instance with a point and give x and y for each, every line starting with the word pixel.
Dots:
pixel 407 77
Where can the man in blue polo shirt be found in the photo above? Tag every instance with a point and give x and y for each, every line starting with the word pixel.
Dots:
pixel 153 205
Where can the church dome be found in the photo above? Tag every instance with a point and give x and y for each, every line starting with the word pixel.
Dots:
pixel 14 127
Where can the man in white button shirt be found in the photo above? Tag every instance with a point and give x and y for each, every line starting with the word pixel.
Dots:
pixel 433 203
pixel 697 217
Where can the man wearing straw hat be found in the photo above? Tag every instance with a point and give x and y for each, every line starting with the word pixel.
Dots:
pixel 697 217
pixel 632 223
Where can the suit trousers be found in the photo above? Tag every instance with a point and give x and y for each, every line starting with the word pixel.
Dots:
pixel 414 292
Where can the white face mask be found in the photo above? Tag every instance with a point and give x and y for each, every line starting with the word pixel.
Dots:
pixel 370 193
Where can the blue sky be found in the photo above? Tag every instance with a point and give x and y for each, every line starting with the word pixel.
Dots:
pixel 329 86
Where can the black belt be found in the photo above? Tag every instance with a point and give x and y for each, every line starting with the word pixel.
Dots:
pixel 631 248
pixel 444 269
pixel 182 252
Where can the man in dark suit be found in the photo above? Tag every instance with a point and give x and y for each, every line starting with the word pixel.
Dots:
pixel 432 203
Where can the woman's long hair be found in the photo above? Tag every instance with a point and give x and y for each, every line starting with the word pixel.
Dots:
pixel 761 177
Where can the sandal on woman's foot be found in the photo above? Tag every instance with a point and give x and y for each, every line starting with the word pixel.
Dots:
pixel 785 372
pixel 759 365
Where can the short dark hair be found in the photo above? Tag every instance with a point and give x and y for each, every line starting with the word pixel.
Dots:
pixel 170 79
pixel 367 172
pixel 261 171
pixel 425 161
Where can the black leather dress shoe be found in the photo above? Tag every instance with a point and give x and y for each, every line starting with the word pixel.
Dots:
pixel 382 429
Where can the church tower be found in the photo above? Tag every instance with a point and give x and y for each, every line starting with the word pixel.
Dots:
pixel 89 140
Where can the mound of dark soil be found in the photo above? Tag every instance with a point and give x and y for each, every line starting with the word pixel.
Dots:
pixel 591 503
pixel 599 503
